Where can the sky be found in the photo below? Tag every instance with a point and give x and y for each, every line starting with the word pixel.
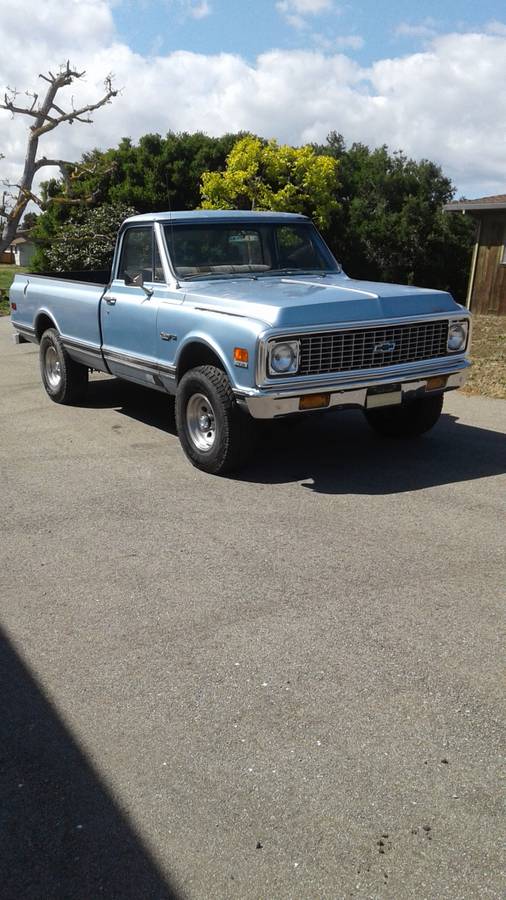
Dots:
pixel 425 77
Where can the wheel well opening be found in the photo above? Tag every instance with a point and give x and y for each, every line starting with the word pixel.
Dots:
pixel 42 324
pixel 196 354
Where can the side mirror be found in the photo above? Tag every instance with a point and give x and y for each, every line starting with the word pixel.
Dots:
pixel 138 281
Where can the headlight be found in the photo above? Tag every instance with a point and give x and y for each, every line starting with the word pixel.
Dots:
pixel 457 336
pixel 284 358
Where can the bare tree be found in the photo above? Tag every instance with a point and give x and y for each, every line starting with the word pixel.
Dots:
pixel 47 115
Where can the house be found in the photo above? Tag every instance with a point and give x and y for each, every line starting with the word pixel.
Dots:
pixel 7 256
pixel 23 250
pixel 486 291
pixel 19 253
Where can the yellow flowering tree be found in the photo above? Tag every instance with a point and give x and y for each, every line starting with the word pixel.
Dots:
pixel 266 175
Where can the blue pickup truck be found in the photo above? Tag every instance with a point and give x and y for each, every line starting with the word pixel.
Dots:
pixel 244 316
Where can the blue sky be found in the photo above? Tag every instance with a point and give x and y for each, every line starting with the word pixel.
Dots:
pixel 387 28
pixel 423 78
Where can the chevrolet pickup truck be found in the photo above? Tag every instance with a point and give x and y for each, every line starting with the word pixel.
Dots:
pixel 243 316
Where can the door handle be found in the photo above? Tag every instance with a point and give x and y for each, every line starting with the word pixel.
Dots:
pixel 110 300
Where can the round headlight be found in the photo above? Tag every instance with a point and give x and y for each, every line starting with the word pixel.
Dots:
pixel 457 335
pixel 284 358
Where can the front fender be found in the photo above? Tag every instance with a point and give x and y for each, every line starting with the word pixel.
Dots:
pixel 221 341
pixel 208 343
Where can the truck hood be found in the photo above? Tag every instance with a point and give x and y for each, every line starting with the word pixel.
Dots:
pixel 291 301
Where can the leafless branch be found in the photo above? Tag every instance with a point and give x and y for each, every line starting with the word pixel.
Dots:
pixel 9 105
pixel 77 115
pixel 47 115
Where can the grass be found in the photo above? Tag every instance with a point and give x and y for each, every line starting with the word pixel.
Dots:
pixel 488 351
pixel 6 278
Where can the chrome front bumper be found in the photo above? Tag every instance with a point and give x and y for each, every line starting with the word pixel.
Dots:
pixel 269 404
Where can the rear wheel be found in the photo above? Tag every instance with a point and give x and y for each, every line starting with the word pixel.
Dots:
pixel 408 420
pixel 64 379
pixel 215 433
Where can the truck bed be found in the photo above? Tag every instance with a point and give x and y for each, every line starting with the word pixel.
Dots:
pixel 88 276
pixel 68 301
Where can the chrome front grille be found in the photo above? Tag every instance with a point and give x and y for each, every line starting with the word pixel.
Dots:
pixel 372 348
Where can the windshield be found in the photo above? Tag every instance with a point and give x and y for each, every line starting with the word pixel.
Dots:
pixel 258 249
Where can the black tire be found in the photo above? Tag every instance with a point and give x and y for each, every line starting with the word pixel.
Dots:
pixel 409 420
pixel 64 380
pixel 227 443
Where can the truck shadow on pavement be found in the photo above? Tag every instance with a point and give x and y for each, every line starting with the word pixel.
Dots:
pixel 63 836
pixel 337 453
pixel 140 403
pixel 340 454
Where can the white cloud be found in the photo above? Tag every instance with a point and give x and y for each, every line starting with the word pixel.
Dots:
pixel 351 41
pixel 305 7
pixel 342 42
pixel 495 27
pixel 180 10
pixel 425 29
pixel 198 9
pixel 434 104
pixel 295 12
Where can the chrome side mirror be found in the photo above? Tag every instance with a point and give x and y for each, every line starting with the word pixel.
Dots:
pixel 138 281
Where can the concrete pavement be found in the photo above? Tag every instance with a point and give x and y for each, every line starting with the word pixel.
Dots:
pixel 281 685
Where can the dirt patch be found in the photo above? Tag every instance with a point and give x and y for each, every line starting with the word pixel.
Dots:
pixel 488 353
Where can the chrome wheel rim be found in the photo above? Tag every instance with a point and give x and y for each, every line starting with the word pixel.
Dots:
pixel 53 367
pixel 201 422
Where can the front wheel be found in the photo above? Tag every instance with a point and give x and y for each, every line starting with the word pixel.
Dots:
pixel 409 420
pixel 64 379
pixel 215 434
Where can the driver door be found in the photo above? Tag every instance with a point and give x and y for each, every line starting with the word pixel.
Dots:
pixel 128 314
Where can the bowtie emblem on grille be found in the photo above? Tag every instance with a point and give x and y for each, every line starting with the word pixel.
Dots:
pixel 385 347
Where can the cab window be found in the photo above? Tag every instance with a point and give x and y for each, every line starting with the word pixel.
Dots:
pixel 137 254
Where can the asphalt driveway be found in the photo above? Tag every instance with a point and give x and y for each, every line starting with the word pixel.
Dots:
pixel 282 685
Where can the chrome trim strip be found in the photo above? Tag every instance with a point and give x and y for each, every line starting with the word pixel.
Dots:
pixel 170 279
pixel 24 329
pixel 136 362
pixel 166 257
pixel 266 337
pixel 270 407
pixel 75 344
pixel 221 312
pixel 351 381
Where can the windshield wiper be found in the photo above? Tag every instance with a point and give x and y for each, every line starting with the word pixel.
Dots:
pixel 322 273
pixel 196 275
pixel 252 274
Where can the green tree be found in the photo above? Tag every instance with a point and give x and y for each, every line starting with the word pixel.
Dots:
pixel 380 212
pixel 266 175
pixel 391 225
pixel 88 241
pixel 29 221
pixel 154 174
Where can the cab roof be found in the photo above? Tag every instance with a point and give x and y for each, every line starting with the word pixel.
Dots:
pixel 217 215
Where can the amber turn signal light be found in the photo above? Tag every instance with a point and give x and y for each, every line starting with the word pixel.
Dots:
pixel 314 401
pixel 241 356
pixel 435 383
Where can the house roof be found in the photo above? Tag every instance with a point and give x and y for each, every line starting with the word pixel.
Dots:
pixel 20 239
pixel 496 201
